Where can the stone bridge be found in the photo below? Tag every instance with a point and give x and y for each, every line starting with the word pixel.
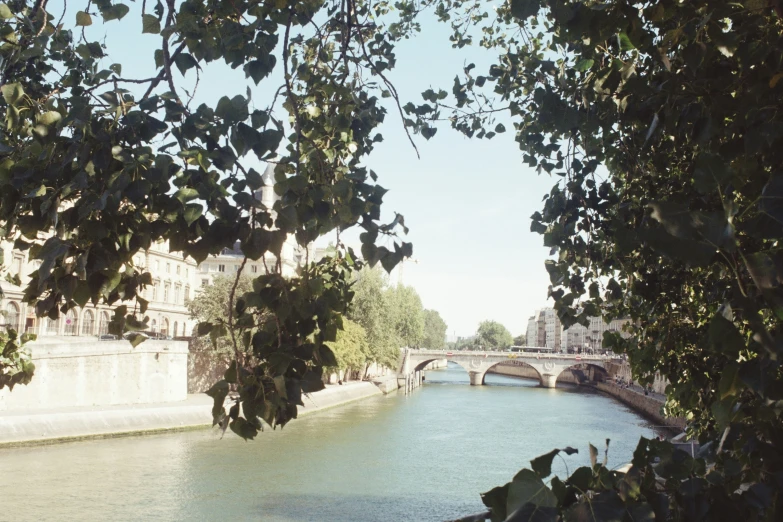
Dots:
pixel 548 365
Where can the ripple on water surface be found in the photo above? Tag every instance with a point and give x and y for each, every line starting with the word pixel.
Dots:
pixel 425 456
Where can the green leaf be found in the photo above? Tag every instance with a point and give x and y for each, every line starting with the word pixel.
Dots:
pixel 526 488
pixel 542 465
pixel 625 42
pixel 136 338
pixel 326 356
pixel 12 92
pixel 83 19
pixel 243 428
pixel 724 336
pixel 584 64
pixel 186 194
pixel 193 211
pixel 114 12
pixel 495 500
pixel 729 381
pixel 711 172
pixel 257 244
pixel 150 24
pixel 524 9
pixel 185 62
pixel 49 118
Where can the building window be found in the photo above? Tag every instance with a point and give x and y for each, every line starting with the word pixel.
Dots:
pixel 12 316
pixel 164 326
pixel 174 331
pixel 254 268
pixel 157 265
pixel 52 326
pixel 187 273
pixel 168 268
pixel 166 287
pixel 154 325
pixel 236 268
pixel 177 269
pixel 221 268
pixel 186 297
pixel 87 321
pixel 155 290
pixel 71 324
pixel 103 325
pixel 204 282
pixel 176 294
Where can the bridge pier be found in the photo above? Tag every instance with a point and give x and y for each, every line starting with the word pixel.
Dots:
pixel 548 380
pixel 476 378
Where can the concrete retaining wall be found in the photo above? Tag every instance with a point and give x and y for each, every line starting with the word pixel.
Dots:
pixel 337 395
pixel 622 370
pixel 646 405
pixel 387 384
pixel 75 371
pixel 51 426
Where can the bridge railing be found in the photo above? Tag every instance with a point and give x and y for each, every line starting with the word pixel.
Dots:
pixel 511 355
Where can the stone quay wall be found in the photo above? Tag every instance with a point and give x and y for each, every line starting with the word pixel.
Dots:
pixel 622 370
pixel 644 404
pixel 73 372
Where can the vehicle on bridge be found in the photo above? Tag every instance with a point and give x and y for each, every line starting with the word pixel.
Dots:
pixel 531 349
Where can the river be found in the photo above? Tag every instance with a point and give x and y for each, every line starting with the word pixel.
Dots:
pixel 426 456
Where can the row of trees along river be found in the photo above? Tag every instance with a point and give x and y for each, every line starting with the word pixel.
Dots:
pixel 660 123
pixel 382 318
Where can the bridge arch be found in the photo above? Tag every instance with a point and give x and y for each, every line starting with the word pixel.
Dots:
pixel 516 363
pixel 585 371
pixel 421 365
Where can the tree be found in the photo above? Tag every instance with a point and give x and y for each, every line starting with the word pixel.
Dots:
pixel 520 340
pixel 662 122
pixel 350 349
pixel 491 335
pixel 371 308
pixel 213 304
pixel 408 315
pixel 434 330
pixel 97 166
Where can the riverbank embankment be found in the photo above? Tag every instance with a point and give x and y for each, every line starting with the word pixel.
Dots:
pixel 647 405
pixel 67 424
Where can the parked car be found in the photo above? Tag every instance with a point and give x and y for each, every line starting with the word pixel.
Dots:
pixel 108 337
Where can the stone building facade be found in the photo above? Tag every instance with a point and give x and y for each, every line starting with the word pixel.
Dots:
pixel 545 330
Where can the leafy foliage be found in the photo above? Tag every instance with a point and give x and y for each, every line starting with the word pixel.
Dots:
pixel 662 126
pixel 491 335
pixel 213 304
pixel 434 331
pixel 350 349
pixel 407 314
pixel 372 309
pixel 96 166
pixel 16 365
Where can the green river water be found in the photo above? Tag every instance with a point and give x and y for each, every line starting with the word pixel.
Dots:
pixel 425 456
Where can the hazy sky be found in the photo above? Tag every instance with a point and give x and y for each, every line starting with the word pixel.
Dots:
pixel 467 202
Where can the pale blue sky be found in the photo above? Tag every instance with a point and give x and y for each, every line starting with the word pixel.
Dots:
pixel 467 202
